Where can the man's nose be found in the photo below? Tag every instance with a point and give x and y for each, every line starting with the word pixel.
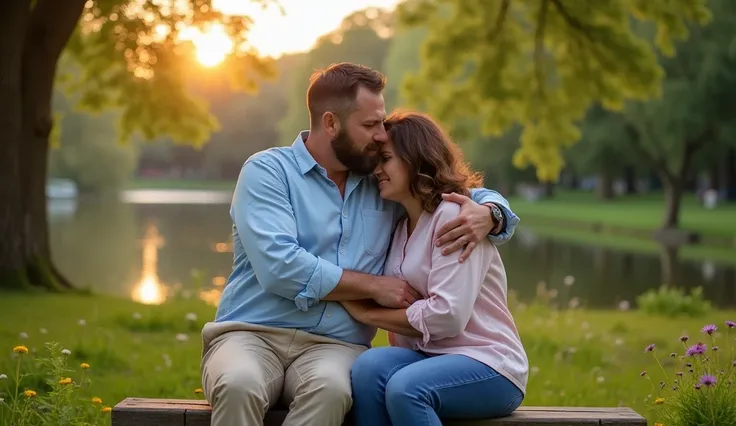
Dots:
pixel 381 135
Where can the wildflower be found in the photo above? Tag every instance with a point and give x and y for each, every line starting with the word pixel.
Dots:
pixel 684 339
pixel 600 379
pixel 66 352
pixel 136 315
pixel 680 373
pixel 569 280
pixel 696 349
pixel 23 335
pixel 697 386
pixel 30 393
pixel 730 324
pixel 649 348
pixel 534 369
pixel 20 349
pixel 84 366
pixel 82 322
pixel 709 329
pixel 3 377
pixel 659 401
pixel 43 331
pixel 673 355
pixel 191 316
pixel 624 305
pixel 2 400
pixel 182 337
pixel 714 348
pixel 198 391
pixel 659 424
pixel 643 373
pixel 106 409
pixel 708 380
pixel 96 400
pixel 733 364
pixel 65 381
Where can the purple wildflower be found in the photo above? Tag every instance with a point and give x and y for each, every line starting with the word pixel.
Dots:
pixel 649 348
pixel 684 339
pixel 730 324
pixel 709 329
pixel 708 380
pixel 696 349
pixel 697 386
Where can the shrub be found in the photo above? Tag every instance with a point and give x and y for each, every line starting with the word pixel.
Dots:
pixel 674 302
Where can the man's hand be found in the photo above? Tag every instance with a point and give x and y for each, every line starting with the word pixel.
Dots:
pixel 395 293
pixel 469 227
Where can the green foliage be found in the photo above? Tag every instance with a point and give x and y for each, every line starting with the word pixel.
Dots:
pixel 673 302
pixel 135 59
pixel 698 389
pixel 87 152
pixel 362 38
pixel 541 64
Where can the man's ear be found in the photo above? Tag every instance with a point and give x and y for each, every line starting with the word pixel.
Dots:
pixel 331 123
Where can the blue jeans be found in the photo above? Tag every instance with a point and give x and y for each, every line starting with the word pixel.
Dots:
pixel 400 387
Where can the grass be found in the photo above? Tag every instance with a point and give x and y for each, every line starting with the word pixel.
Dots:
pixel 577 357
pixel 638 212
pixel 213 185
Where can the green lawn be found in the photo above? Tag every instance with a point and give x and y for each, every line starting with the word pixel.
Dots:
pixel 644 213
pixel 578 358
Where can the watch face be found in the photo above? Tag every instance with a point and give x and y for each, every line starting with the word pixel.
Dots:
pixel 497 213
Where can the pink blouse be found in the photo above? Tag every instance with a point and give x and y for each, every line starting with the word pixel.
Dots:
pixel 464 308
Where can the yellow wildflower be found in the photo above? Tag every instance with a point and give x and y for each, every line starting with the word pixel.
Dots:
pixel 84 366
pixel 96 400
pixel 198 390
pixel 29 393
pixel 659 424
pixel 20 349
pixel 659 401
pixel 65 381
pixel 106 409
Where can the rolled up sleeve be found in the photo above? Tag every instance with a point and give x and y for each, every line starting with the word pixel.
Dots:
pixel 265 221
pixel 485 196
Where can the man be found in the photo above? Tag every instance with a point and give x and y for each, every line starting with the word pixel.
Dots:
pixel 309 231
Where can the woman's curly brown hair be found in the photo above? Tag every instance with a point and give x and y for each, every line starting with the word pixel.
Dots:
pixel 435 163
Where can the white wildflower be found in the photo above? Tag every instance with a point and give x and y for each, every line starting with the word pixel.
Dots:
pixel 584 325
pixel 574 303
pixel 619 341
pixel 624 305
pixel 191 316
pixel 23 335
pixel 182 337
pixel 569 280
pixel 66 352
pixel 534 370
pixel 43 331
pixel 136 315
pixel 82 322
pixel 600 379
pixel 3 377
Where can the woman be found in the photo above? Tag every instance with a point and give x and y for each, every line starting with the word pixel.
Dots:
pixel 456 353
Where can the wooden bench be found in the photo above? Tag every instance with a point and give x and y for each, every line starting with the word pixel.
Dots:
pixel 178 412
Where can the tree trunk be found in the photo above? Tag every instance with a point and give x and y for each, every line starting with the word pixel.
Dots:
pixel 33 41
pixel 630 179
pixel 728 175
pixel 604 187
pixel 673 198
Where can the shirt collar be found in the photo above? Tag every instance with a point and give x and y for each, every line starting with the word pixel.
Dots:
pixel 303 157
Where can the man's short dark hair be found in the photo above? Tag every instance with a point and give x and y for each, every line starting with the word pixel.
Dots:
pixel 335 88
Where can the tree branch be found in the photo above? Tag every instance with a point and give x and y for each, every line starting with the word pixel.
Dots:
pixel 658 163
pixel 500 19
pixel 580 28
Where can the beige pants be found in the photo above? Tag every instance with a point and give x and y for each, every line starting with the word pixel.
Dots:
pixel 247 368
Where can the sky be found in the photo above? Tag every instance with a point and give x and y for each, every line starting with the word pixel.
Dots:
pixel 303 23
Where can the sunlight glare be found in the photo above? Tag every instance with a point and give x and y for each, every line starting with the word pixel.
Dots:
pixel 213 45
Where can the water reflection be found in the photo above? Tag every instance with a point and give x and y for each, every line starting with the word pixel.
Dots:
pixel 150 290
pixel 118 248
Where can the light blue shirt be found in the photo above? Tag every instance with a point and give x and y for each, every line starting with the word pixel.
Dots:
pixel 294 234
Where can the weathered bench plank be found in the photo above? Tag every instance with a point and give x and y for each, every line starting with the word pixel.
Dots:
pixel 180 412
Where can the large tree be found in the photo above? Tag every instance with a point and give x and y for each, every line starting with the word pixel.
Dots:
pixel 134 60
pixel 541 64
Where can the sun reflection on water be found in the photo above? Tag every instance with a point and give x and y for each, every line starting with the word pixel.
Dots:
pixel 149 289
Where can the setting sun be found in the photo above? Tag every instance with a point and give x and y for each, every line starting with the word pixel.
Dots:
pixel 274 33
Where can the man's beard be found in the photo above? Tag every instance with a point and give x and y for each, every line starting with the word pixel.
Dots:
pixel 362 163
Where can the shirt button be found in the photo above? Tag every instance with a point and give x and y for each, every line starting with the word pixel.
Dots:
pixel 329 315
pixel 345 215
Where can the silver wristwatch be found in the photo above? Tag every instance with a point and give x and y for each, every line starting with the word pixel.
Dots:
pixel 497 214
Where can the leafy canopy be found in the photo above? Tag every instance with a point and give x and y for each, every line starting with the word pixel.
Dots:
pixel 541 64
pixel 136 58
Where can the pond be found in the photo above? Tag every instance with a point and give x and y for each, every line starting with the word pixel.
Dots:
pixel 151 245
